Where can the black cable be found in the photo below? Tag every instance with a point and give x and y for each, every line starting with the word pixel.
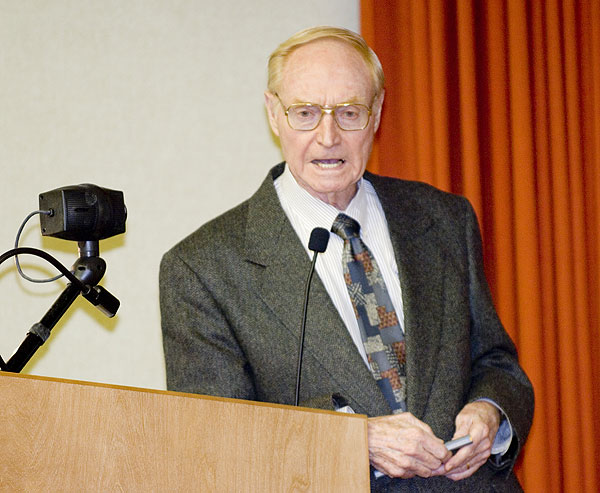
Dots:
pixel 303 329
pixel 49 258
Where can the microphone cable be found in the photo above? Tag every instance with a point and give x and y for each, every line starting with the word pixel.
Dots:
pixel 319 237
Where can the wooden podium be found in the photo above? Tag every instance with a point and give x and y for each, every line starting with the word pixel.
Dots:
pixel 60 435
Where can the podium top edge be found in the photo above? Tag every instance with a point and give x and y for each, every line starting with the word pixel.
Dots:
pixel 174 394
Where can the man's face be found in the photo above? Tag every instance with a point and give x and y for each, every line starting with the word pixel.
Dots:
pixel 326 161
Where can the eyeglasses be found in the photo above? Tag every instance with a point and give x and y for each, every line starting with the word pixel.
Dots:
pixel 307 116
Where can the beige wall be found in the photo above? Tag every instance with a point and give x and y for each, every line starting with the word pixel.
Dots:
pixel 159 99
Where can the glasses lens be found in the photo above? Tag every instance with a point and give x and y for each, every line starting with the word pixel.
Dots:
pixel 352 116
pixel 304 116
pixel 348 116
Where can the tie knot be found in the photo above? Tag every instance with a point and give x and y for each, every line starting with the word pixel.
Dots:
pixel 346 227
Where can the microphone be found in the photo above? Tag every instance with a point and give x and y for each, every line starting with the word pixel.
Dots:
pixel 319 237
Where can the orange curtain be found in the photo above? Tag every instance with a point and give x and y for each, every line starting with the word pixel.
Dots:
pixel 500 101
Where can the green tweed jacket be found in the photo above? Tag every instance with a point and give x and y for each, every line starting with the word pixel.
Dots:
pixel 231 298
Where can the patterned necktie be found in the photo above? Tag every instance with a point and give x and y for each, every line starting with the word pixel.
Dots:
pixel 380 330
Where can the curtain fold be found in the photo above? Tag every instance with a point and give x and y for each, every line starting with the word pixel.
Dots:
pixel 499 100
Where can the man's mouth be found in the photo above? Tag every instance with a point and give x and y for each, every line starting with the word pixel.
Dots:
pixel 328 163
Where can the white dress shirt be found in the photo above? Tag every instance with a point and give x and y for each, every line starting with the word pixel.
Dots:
pixel 306 212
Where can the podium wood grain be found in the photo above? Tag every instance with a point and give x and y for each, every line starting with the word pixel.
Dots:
pixel 59 435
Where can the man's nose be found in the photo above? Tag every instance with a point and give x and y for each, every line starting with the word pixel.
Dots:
pixel 328 132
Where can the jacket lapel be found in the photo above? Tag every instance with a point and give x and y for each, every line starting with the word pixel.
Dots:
pixel 421 272
pixel 272 242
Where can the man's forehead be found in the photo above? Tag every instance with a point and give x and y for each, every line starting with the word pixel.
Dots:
pixel 328 52
pixel 326 67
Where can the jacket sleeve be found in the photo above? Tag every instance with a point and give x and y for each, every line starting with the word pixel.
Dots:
pixel 201 352
pixel 495 370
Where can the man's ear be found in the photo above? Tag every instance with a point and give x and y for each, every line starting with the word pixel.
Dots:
pixel 271 103
pixel 377 105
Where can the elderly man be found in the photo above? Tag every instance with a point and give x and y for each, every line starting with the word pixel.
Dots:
pixel 401 325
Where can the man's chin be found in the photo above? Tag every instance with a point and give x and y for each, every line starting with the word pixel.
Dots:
pixel 338 195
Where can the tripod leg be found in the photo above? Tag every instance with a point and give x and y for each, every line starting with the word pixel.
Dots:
pixel 39 333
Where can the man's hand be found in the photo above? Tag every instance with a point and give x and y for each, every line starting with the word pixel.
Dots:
pixel 480 420
pixel 402 446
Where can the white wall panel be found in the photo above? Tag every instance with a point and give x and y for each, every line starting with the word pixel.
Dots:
pixel 160 99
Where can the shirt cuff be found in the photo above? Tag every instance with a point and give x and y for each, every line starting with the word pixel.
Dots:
pixel 504 435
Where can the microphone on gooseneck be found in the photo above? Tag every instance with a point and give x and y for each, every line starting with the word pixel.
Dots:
pixel 319 237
